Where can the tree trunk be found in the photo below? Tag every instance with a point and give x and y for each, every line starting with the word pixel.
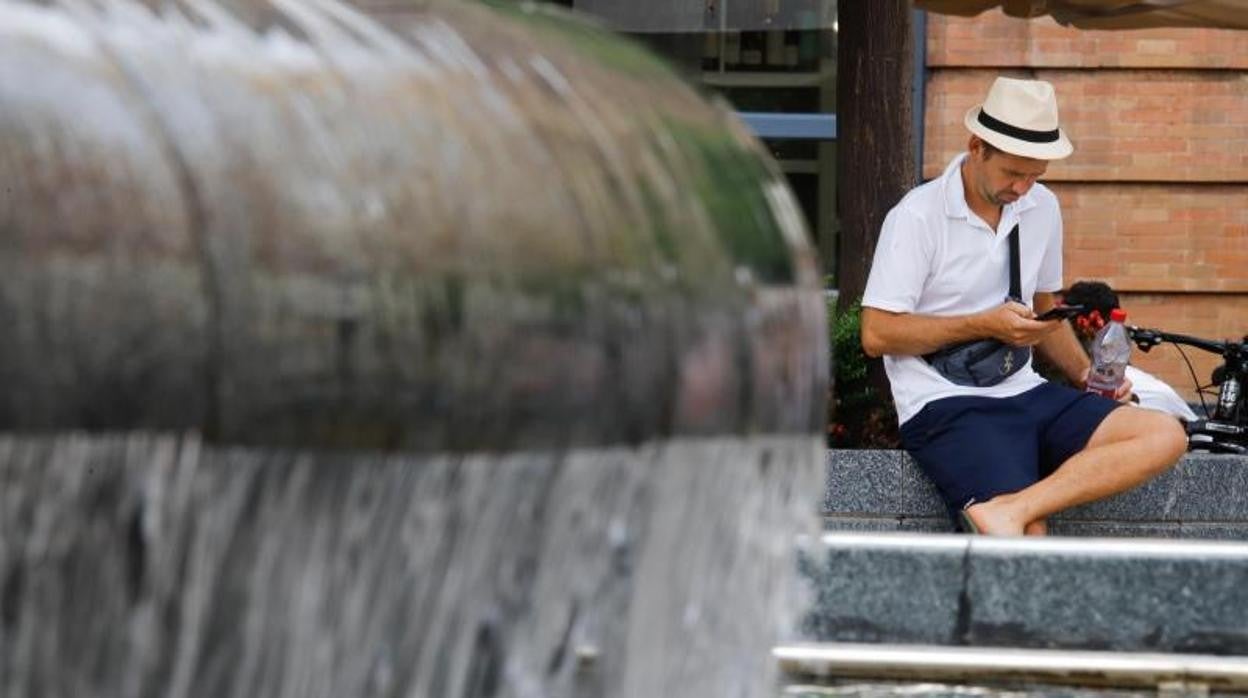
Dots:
pixel 876 138
pixel 876 134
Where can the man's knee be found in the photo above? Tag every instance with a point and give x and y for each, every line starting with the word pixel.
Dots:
pixel 1164 435
pixel 1172 439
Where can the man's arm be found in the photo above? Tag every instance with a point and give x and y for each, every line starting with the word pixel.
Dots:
pixel 1061 348
pixel 910 334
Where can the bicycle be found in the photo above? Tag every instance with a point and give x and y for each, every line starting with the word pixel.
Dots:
pixel 1225 430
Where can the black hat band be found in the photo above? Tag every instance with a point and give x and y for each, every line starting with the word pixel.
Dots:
pixel 1021 134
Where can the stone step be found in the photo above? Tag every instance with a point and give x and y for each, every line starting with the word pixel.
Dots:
pixel 879 688
pixel 1013 672
pixel 1133 595
pixel 1204 496
pixel 851 688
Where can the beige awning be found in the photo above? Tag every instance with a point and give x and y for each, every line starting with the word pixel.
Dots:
pixel 1109 14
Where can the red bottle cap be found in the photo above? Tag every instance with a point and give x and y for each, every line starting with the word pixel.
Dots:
pixel 1118 315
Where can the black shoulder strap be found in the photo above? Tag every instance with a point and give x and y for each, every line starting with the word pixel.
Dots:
pixel 1016 291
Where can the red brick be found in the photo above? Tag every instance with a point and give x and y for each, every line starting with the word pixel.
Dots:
pixel 1044 43
pixel 1149 237
pixel 1153 126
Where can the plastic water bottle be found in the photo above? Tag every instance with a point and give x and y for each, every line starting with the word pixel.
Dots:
pixel 1111 351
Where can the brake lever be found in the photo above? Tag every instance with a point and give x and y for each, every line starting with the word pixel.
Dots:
pixel 1144 339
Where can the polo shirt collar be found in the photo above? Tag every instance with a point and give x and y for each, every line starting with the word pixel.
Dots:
pixel 955 196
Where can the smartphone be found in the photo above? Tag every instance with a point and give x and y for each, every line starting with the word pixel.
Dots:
pixel 1062 312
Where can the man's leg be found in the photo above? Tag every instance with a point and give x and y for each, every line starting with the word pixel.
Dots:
pixel 1130 446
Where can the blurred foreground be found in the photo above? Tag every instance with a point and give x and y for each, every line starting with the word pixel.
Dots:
pixel 571 299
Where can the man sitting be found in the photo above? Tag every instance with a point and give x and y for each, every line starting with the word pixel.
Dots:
pixel 1005 448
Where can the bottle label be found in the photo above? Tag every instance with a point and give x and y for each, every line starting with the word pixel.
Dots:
pixel 1105 379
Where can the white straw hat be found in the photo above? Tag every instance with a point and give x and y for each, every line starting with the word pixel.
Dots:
pixel 1020 117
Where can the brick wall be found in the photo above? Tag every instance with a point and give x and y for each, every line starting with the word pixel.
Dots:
pixel 1155 198
pixel 994 40
pixel 1127 125
pixel 1213 315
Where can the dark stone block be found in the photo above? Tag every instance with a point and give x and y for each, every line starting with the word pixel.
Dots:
pixel 1114 529
pixel 884 588
pixel 861 523
pixel 919 497
pixel 927 524
pixel 879 482
pixel 1201 489
pixel 1215 531
pixel 1215 488
pixel 1108 594
pixel 863 482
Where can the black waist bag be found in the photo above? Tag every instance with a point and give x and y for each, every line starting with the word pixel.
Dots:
pixel 981 363
pixel 984 362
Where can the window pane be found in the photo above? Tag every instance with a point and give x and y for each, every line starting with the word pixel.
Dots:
pixel 775 56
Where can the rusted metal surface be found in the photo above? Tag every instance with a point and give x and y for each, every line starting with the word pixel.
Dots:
pixel 441 225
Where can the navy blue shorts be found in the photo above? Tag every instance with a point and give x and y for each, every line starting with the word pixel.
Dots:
pixel 975 448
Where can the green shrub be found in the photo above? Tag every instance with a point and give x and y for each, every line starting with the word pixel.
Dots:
pixel 860 416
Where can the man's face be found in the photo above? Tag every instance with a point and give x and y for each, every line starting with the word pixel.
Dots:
pixel 1002 178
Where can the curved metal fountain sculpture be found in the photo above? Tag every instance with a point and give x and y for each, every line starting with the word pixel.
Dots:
pixel 428 229
pixel 572 299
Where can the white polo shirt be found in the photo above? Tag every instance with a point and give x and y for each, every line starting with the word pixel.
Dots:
pixel 936 257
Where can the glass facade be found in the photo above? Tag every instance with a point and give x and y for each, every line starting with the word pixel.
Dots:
pixel 768 58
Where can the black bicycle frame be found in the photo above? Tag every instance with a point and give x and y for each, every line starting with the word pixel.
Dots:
pixel 1226 430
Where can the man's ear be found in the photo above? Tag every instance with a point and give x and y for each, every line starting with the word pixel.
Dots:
pixel 975 146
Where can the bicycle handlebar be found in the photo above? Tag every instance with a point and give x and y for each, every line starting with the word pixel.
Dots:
pixel 1146 339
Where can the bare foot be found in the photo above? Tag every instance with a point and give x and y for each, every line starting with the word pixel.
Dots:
pixel 996 517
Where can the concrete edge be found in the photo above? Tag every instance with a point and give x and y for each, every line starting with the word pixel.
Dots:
pixel 974 664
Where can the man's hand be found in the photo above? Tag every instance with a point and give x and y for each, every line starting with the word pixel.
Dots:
pixel 1015 324
pixel 1122 394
